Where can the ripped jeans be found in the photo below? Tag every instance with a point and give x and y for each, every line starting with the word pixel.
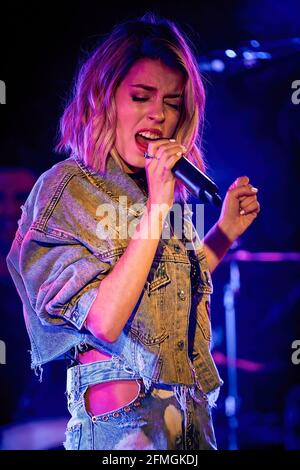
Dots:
pixel 157 419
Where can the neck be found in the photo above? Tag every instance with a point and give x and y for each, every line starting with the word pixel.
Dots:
pixel 132 169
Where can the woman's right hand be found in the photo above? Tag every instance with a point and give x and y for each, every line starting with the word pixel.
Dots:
pixel 161 180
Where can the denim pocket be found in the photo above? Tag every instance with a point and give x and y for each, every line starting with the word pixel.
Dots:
pixel 147 323
pixel 73 435
pixel 205 285
pixel 157 278
pixel 146 337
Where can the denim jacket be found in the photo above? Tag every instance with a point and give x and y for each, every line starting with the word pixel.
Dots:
pixel 64 247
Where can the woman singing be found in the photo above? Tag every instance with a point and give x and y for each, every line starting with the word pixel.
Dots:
pixel 107 279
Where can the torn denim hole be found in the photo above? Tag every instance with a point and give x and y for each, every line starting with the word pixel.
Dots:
pixel 209 398
pixel 147 383
pixel 121 364
pixel 117 362
pixel 140 361
pixel 128 369
pixel 181 392
pixel 213 397
pixel 38 370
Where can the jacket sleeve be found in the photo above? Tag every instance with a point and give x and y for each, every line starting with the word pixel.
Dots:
pixel 61 277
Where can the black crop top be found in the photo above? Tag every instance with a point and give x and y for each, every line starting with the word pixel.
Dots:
pixel 140 178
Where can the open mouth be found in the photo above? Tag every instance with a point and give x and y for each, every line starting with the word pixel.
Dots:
pixel 143 140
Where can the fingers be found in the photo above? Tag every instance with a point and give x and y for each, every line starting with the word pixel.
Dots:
pixel 245 202
pixel 170 162
pixel 240 181
pixel 249 205
pixel 163 148
pixel 246 195
pixel 164 154
pixel 253 207
pixel 252 215
pixel 242 190
pixel 167 153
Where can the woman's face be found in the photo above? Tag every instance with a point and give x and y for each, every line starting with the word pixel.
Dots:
pixel 148 102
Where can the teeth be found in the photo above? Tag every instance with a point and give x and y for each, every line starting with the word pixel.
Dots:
pixel 148 135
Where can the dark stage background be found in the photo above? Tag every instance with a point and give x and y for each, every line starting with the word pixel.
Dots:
pixel 252 128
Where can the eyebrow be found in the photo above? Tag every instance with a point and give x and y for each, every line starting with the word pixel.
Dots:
pixel 151 88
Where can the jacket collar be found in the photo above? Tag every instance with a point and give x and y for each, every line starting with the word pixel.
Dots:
pixel 115 183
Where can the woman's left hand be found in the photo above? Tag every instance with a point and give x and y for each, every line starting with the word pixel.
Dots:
pixel 239 209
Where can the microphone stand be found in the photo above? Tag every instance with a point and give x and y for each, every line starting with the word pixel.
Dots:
pixel 231 402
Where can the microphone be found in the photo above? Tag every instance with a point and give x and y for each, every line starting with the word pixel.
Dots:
pixel 200 185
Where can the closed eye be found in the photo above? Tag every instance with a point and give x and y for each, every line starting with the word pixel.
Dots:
pixel 175 106
pixel 142 99
pixel 137 98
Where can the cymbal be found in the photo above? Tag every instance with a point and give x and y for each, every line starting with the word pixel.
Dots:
pixel 273 257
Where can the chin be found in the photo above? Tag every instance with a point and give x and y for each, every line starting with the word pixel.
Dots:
pixel 135 163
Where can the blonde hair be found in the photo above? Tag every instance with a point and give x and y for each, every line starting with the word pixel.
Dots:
pixel 88 124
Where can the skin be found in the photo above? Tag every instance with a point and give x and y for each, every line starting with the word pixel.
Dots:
pixel 156 111
pixel 159 112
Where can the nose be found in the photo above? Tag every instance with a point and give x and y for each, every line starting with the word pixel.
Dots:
pixel 156 112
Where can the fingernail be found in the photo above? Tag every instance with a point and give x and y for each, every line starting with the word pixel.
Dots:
pixel 172 140
pixel 254 189
pixel 184 148
pixel 179 154
pixel 242 212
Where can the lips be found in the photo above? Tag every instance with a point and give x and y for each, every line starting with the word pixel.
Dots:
pixel 158 132
pixel 143 142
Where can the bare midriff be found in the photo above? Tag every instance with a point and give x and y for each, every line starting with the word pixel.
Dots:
pixel 108 396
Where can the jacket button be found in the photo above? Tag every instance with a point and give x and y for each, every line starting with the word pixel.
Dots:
pixel 181 294
pixel 177 248
pixel 180 345
pixel 75 315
